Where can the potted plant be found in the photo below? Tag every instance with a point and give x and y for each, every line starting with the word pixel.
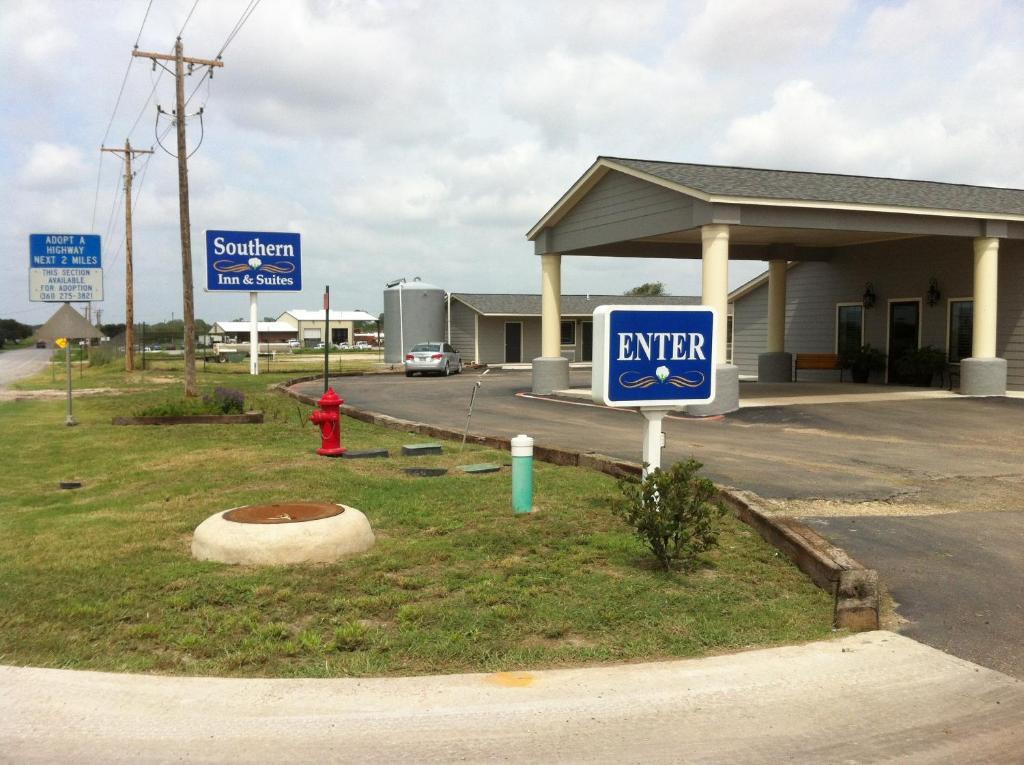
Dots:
pixel 862 362
pixel 919 367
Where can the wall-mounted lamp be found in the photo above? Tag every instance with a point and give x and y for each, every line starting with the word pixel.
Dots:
pixel 933 295
pixel 869 295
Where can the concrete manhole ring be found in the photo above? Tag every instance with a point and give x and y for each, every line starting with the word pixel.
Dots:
pixel 281 534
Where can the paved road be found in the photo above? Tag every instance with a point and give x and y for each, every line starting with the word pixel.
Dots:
pixel 870 698
pixel 957 578
pixel 856 451
pixel 14 365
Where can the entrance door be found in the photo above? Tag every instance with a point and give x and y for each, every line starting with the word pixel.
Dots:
pixel 587 349
pixel 904 333
pixel 513 342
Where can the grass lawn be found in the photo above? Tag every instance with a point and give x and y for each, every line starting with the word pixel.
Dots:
pixel 101 577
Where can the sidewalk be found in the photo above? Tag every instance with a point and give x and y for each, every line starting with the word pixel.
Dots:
pixel 872 697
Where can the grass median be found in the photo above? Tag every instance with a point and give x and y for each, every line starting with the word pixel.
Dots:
pixel 101 577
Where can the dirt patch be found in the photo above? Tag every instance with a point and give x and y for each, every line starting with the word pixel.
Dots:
pixel 48 394
pixel 938 496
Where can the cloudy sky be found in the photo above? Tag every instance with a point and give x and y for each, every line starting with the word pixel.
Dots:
pixel 425 137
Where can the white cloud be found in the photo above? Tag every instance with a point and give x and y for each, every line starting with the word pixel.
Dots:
pixel 731 34
pixel 51 166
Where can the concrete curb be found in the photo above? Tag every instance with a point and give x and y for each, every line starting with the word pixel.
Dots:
pixel 853 587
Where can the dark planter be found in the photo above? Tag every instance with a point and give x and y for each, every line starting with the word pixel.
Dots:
pixel 860 375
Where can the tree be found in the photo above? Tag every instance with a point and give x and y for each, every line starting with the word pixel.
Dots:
pixel 10 329
pixel 647 289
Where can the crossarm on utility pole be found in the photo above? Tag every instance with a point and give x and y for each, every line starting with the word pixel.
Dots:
pixel 172 57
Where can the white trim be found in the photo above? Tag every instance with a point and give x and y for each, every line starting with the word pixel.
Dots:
pixel 949 317
pixel 522 342
pixel 835 345
pixel 858 207
pixel 888 326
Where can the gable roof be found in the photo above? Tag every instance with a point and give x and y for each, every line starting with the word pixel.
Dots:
pixel 508 304
pixel 726 184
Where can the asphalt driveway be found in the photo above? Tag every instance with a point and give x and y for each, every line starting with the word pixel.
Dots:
pixel 929 492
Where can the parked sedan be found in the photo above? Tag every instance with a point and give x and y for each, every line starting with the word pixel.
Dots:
pixel 439 358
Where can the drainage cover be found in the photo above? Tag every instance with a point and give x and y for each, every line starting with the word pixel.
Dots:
pixel 283 512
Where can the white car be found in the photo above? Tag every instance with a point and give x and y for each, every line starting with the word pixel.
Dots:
pixel 438 358
pixel 294 344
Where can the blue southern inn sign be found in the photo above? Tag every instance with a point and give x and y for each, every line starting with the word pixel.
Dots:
pixel 653 356
pixel 253 261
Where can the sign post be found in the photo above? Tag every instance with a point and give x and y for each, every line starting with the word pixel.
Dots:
pixel 655 358
pixel 253 261
pixel 65 268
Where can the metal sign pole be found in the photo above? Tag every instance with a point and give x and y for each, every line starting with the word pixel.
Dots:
pixel 254 335
pixel 327 331
pixel 70 419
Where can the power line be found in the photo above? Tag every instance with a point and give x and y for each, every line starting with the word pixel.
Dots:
pixel 113 114
pixel 238 26
pixel 187 18
pixel 139 37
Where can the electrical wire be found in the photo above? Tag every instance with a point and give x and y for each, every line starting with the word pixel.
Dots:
pixel 187 18
pixel 145 106
pixel 139 37
pixel 238 26
pixel 113 114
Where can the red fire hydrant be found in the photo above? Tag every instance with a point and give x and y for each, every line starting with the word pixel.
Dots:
pixel 329 419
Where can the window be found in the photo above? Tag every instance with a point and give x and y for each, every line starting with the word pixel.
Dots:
pixel 961 329
pixel 849 328
pixel 568 333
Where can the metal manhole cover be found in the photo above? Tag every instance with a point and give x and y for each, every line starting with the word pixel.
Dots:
pixel 283 512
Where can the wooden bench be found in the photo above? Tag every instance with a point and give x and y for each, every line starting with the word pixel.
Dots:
pixel 828 361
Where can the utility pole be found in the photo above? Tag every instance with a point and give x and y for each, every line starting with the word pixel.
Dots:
pixel 129 277
pixel 191 386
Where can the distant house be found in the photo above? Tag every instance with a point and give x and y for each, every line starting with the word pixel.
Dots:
pixel 309 325
pixel 238 331
pixel 505 328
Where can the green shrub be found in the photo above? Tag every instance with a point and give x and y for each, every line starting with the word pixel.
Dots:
pixel 221 401
pixel 102 355
pixel 673 512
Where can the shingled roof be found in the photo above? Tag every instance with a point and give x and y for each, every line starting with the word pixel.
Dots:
pixel 490 304
pixel 754 183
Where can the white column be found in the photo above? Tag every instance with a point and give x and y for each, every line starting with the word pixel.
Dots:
pixel 551 305
pixel 254 335
pixel 776 306
pixel 715 281
pixel 986 288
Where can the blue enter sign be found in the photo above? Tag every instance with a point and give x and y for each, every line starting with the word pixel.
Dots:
pixel 653 356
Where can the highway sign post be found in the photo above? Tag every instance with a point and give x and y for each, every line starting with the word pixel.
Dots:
pixel 65 268
pixel 253 261
pixel 656 358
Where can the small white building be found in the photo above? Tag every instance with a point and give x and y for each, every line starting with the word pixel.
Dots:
pixel 309 326
pixel 238 331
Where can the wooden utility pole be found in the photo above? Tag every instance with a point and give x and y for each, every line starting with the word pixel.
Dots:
pixel 129 276
pixel 191 385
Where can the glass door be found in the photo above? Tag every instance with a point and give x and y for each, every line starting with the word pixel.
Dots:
pixel 904 331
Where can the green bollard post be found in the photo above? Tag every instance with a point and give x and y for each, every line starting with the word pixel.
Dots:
pixel 522 474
